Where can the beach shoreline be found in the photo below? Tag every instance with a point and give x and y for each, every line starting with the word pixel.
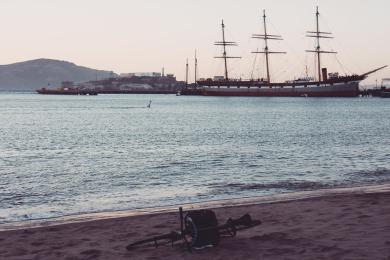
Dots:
pixel 212 204
pixel 345 223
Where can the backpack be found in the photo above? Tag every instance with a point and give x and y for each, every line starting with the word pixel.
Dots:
pixel 202 228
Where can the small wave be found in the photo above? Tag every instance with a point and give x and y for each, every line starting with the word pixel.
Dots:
pixel 282 185
pixel 376 176
pixel 126 107
pixel 380 172
pixel 178 163
pixel 161 167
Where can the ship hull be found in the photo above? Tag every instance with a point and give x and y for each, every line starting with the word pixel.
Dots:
pixel 348 89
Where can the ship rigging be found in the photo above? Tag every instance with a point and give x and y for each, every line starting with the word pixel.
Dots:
pixel 266 37
pixel 326 85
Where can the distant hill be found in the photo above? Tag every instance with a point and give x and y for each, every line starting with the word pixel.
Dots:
pixel 34 74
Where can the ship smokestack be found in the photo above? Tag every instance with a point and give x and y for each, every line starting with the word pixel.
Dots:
pixel 324 74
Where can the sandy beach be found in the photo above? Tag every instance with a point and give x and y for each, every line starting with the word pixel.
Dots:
pixel 347 224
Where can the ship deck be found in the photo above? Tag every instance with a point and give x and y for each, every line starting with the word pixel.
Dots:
pixel 292 84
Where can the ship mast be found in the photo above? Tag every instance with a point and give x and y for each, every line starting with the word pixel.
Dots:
pixel 224 56
pixel 266 51
pixel 318 34
pixel 196 67
pixel 187 73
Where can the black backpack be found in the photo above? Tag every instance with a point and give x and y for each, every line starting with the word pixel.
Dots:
pixel 202 226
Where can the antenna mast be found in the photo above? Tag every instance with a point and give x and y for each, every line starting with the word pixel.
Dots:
pixel 318 34
pixel 224 56
pixel 266 51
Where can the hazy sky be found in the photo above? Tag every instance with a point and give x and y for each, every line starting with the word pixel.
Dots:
pixel 146 35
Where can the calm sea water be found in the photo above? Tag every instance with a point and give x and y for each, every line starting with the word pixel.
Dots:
pixel 62 155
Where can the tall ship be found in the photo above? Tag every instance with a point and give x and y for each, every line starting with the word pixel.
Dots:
pixel 324 85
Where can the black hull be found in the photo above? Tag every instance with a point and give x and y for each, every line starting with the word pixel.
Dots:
pixel 346 89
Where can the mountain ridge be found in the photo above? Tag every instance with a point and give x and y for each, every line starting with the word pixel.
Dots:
pixel 33 74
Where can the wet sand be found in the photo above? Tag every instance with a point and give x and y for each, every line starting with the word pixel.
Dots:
pixel 347 224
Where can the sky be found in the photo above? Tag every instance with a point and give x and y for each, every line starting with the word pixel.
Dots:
pixel 146 35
